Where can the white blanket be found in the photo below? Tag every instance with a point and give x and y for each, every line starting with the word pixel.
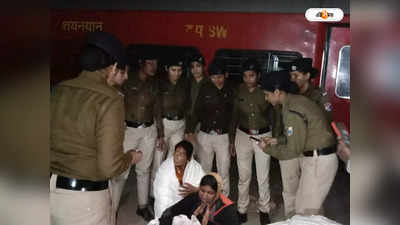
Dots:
pixel 166 185
pixel 307 220
pixel 179 220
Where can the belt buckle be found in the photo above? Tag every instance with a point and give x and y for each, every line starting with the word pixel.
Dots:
pixel 252 131
pixel 175 117
pixel 142 126
pixel 213 132
pixel 73 184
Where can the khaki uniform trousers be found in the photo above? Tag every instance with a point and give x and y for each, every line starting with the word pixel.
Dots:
pixel 245 149
pixel 219 144
pixel 306 182
pixel 173 133
pixel 143 139
pixel 196 144
pixel 79 207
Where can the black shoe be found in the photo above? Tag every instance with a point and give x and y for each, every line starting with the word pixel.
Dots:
pixel 242 217
pixel 151 205
pixel 151 202
pixel 145 213
pixel 264 218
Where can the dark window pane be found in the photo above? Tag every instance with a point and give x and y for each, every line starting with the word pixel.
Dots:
pixel 270 60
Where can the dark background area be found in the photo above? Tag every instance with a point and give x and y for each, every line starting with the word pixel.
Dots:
pixel 289 6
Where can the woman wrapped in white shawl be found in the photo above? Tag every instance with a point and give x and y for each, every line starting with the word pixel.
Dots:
pixel 177 177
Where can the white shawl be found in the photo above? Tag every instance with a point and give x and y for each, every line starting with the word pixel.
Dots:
pixel 166 185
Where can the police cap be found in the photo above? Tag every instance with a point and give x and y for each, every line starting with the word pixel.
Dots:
pixel 277 80
pixel 197 58
pixel 303 65
pixel 216 67
pixel 148 54
pixel 174 61
pixel 250 64
pixel 108 43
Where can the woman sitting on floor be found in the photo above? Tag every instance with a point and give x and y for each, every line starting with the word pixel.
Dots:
pixel 208 206
pixel 177 177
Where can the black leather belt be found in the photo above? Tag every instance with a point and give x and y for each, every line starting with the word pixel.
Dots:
pixel 214 131
pixel 138 124
pixel 324 151
pixel 80 185
pixel 253 131
pixel 174 117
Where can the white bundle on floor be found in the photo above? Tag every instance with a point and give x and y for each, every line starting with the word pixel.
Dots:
pixel 307 220
pixel 179 220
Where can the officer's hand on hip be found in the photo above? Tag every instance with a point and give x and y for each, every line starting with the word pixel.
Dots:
pixel 190 137
pixel 136 156
pixel 187 136
pixel 232 149
pixel 160 144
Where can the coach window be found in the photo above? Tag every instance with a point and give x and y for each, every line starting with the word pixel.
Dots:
pixel 342 89
pixel 270 60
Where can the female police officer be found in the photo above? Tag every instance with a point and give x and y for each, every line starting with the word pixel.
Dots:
pixel 250 119
pixel 301 72
pixel 172 106
pixel 305 149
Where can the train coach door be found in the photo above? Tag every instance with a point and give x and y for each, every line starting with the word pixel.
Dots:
pixel 336 71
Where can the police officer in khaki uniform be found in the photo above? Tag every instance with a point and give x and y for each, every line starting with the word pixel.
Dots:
pixel 302 72
pixel 197 65
pixel 307 141
pixel 198 77
pixel 87 132
pixel 251 118
pixel 213 109
pixel 117 81
pixel 141 132
pixel 173 104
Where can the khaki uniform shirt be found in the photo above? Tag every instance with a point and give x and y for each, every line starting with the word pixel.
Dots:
pixel 321 98
pixel 316 95
pixel 213 108
pixel 194 90
pixel 172 100
pixel 140 99
pixel 250 111
pixel 87 129
pixel 277 125
pixel 305 129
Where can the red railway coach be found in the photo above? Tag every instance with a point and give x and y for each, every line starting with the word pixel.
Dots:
pixel 274 38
